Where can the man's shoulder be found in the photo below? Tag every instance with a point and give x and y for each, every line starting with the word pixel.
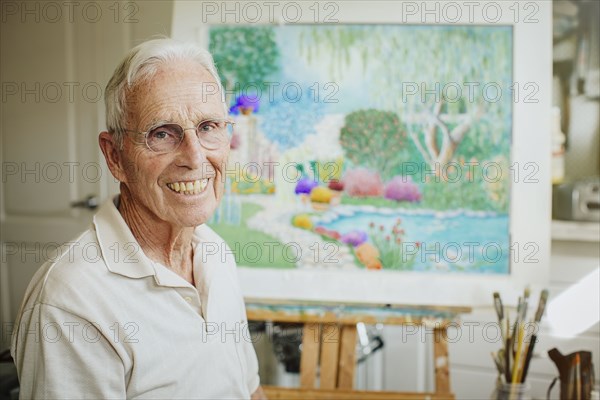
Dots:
pixel 74 269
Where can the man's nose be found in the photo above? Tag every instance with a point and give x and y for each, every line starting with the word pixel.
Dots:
pixel 190 152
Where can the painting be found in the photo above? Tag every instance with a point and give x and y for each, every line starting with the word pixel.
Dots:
pixel 368 147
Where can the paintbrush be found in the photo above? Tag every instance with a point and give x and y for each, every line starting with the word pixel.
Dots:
pixel 578 376
pixel 571 381
pixel 522 310
pixel 516 370
pixel 525 301
pixel 517 322
pixel 538 317
pixel 502 360
pixel 498 364
pixel 499 312
pixel 507 350
pixel 517 367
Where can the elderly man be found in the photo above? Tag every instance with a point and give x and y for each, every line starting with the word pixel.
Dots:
pixel 136 307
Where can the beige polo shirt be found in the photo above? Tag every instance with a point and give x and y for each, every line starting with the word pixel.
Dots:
pixel 102 320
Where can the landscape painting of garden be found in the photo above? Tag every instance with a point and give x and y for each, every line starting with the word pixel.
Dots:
pixel 376 147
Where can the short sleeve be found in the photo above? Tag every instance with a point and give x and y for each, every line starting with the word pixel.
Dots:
pixel 252 378
pixel 59 355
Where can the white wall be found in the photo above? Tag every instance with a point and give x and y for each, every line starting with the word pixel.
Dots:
pixel 44 44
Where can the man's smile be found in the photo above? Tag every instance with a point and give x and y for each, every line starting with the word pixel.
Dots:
pixel 189 187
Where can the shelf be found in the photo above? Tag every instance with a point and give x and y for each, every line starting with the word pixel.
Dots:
pixel 575 231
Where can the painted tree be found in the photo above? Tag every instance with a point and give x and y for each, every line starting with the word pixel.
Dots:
pixel 373 139
pixel 244 56
pixel 442 80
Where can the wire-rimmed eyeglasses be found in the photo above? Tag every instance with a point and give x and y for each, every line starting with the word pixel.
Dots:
pixel 166 137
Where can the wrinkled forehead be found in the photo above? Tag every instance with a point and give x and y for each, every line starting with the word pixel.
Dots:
pixel 176 91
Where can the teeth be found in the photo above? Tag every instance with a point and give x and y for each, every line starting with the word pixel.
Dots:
pixel 194 187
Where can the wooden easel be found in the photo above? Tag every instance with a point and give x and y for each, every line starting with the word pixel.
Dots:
pixel 329 340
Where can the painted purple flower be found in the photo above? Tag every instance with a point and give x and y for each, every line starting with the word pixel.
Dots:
pixel 246 104
pixel 402 188
pixel 355 238
pixel 305 185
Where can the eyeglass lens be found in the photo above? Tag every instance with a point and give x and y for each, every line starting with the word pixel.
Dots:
pixel 167 137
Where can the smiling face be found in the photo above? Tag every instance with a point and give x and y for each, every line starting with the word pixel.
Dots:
pixel 183 187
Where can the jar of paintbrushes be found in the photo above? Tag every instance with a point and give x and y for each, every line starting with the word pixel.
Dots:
pixel 511 391
pixel 513 359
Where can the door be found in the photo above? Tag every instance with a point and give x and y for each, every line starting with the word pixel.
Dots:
pixel 56 59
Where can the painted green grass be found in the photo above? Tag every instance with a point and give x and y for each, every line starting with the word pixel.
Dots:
pixel 249 245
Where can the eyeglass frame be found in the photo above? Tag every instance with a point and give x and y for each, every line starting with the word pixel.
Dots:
pixel 227 121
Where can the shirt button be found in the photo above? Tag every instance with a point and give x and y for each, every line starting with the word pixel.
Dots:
pixel 188 299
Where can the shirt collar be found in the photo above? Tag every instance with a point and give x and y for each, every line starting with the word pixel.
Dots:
pixel 123 254
pixel 120 250
pixel 212 256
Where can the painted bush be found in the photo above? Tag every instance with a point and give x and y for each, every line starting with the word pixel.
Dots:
pixel 302 221
pixel 305 186
pixel 354 238
pixel 402 188
pixel 368 255
pixel 336 185
pixel 361 182
pixel 329 233
pixel 246 104
pixel 321 194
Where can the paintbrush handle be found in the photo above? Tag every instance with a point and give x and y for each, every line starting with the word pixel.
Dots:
pixel 498 306
pixel 507 359
pixel 578 376
pixel 571 383
pixel 528 358
pixel 518 357
pixel 541 306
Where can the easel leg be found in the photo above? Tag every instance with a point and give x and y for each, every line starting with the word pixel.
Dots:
pixel 330 349
pixel 347 357
pixel 309 358
pixel 441 361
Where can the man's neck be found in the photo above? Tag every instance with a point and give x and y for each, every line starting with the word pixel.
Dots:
pixel 159 240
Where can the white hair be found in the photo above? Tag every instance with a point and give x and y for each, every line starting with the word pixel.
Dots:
pixel 141 63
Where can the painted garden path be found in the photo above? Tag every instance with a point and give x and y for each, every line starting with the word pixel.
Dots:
pixel 307 248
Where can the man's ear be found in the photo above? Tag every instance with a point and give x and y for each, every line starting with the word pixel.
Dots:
pixel 112 155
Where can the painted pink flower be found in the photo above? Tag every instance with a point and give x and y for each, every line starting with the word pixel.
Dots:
pixel 361 182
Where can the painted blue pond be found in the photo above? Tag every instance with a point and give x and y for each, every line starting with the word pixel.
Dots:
pixel 450 241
